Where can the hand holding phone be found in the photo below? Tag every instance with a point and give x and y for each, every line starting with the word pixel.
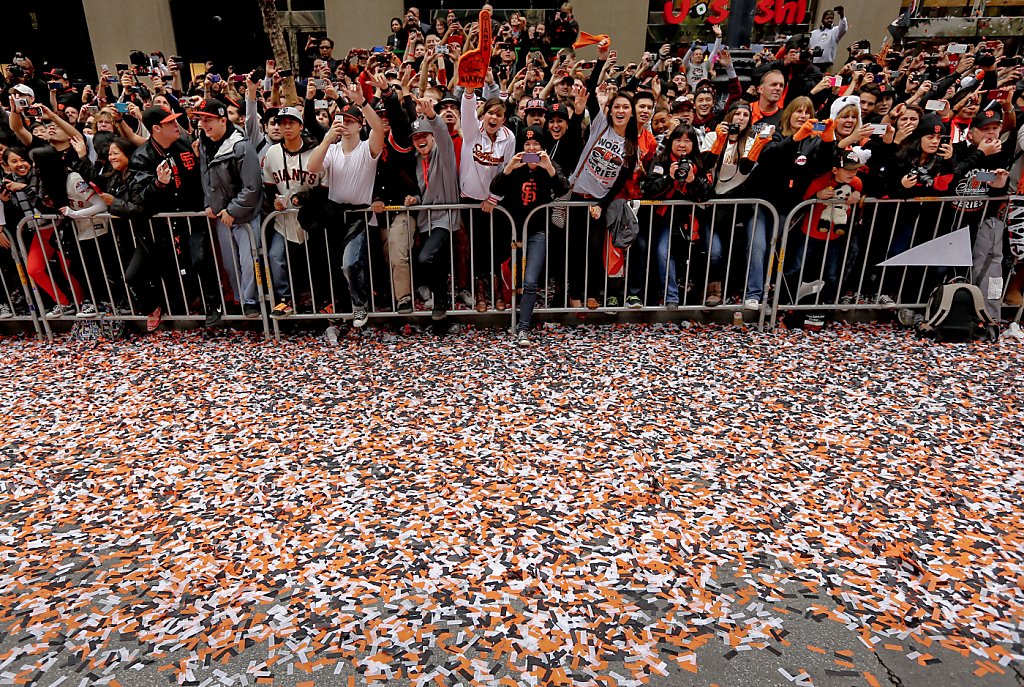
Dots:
pixel 530 158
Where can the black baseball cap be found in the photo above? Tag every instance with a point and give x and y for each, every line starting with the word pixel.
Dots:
pixel 157 115
pixel 558 110
pixel 57 73
pixel 211 107
pixel 352 111
pixel 986 117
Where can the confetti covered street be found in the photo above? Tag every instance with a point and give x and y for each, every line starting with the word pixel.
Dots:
pixel 614 506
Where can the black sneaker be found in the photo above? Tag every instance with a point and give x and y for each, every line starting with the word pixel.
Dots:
pixel 251 310
pixel 214 316
pixel 438 313
pixel 404 305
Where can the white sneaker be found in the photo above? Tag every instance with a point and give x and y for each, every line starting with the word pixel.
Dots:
pixel 523 338
pixel 466 298
pixel 423 292
pixel 5 312
pixel 751 304
pixel 359 318
pixel 885 302
pixel 88 310
pixel 59 310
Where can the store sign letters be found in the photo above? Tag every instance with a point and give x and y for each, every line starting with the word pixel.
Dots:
pixel 717 11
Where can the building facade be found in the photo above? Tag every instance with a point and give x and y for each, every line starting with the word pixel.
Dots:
pixel 231 32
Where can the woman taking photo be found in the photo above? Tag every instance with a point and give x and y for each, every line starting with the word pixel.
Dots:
pixel 675 174
pixel 730 154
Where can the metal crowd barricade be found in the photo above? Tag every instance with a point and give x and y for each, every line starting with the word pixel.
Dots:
pixel 168 256
pixel 16 302
pixel 687 256
pixel 311 277
pixel 844 274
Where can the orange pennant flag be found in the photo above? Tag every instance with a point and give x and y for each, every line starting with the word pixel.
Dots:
pixel 586 39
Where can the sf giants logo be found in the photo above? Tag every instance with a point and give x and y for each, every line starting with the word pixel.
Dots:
pixel 529 192
pixel 188 160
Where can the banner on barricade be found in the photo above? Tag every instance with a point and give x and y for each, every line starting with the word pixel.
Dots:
pixel 951 250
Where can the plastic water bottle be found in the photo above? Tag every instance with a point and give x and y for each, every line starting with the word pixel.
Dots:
pixel 737 318
pixel 332 335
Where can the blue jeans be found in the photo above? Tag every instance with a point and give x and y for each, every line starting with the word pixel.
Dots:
pixel 757 255
pixel 277 254
pixel 536 251
pixel 236 252
pixel 353 266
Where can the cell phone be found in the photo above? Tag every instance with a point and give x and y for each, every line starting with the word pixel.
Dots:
pixel 53 86
pixel 439 49
pixel 878 129
pixel 529 158
pixel 588 64
pixel 321 104
pixel 834 81
pixel 956 49
pixel 104 68
pixel 998 94
pixel 257 75
pixel 936 105
pixel 944 140
pixel 176 59
pixel 756 47
pixel 339 118
pixel 34 111
pixel 92 109
pixel 121 107
pixel 268 84
pixel 21 103
pixel 879 78
pixel 985 177
pixel 378 48
pixel 214 78
pixel 121 67
pixel 111 79
pixel 819 126
pixel 285 73
pixel 321 84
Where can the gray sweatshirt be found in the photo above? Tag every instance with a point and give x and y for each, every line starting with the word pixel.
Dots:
pixel 441 184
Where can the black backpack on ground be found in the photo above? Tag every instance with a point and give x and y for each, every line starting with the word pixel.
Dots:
pixel 956 314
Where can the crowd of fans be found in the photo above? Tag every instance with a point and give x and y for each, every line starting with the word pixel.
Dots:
pixel 390 125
